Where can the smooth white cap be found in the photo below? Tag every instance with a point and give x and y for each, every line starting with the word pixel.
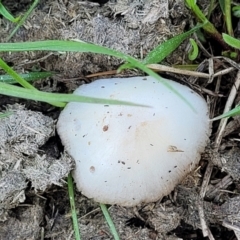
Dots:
pixel 127 155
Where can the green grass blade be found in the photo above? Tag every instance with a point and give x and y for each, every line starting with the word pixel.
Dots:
pixel 7 15
pixel 58 45
pixel 236 11
pixel 29 77
pixel 208 26
pixel 22 20
pixel 6 114
pixel 164 49
pixel 231 41
pixel 24 83
pixel 228 17
pixel 192 55
pixel 225 6
pixel 109 221
pixel 231 113
pixel 73 208
pixel 210 8
pixel 16 76
pixel 14 91
pixel 222 5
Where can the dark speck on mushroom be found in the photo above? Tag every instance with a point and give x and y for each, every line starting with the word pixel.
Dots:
pixel 92 169
pixel 105 128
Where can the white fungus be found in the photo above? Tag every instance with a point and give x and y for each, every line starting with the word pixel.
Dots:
pixel 127 155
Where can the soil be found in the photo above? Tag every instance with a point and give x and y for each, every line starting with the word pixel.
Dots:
pixel 34 202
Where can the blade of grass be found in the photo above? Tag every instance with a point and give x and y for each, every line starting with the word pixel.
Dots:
pixel 6 114
pixel 22 20
pixel 232 113
pixel 236 11
pixel 109 221
pixel 32 76
pixel 24 83
pixel 159 53
pixel 231 41
pixel 226 9
pixel 163 50
pixel 222 5
pixel 210 8
pixel 73 208
pixel 16 76
pixel 192 55
pixel 80 46
pixel 7 15
pixel 14 91
pixel 208 26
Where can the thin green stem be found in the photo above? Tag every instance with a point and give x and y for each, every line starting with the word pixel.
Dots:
pixel 11 72
pixel 73 208
pixel 228 17
pixel 7 14
pixel 109 221
pixel 58 45
pixel 23 82
pixel 208 26
pixel 210 9
pixel 22 20
pixel 29 77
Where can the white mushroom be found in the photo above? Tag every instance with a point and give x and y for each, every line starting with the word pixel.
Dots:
pixel 127 155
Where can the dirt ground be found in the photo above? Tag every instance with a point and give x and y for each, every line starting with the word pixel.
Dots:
pixel 34 201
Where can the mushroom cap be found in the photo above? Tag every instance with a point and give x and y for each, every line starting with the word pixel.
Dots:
pixel 127 155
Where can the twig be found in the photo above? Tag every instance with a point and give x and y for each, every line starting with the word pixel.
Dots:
pixel 163 68
pixel 227 108
pixel 223 72
pixel 22 20
pixel 235 228
pixel 207 175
